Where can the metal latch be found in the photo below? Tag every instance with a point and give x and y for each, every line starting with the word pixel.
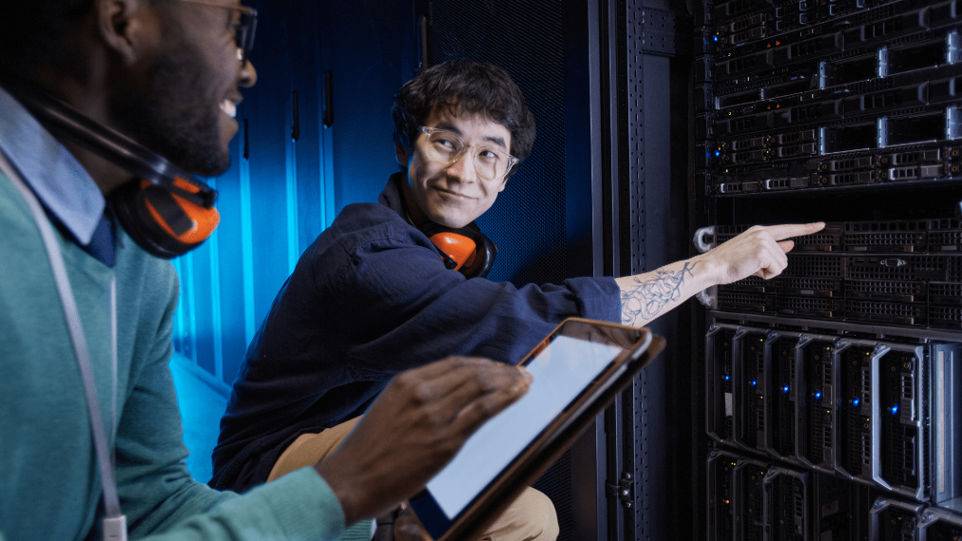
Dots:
pixel 623 490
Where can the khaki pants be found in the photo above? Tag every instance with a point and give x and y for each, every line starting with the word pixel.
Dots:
pixel 530 517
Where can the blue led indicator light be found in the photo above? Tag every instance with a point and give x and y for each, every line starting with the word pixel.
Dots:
pixel 726 377
pixel 717 153
pixel 754 383
pixel 715 39
pixel 818 395
pixel 785 389
pixel 894 409
pixel 856 402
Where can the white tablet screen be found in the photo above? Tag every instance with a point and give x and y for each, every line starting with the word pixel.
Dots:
pixel 561 371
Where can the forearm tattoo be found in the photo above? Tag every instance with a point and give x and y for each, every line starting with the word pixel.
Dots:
pixel 647 296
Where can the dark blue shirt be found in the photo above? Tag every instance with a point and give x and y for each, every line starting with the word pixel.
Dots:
pixel 371 297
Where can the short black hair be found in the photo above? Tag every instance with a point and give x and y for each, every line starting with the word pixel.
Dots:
pixel 34 34
pixel 464 87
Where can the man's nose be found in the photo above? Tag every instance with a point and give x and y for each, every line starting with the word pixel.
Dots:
pixel 248 76
pixel 463 168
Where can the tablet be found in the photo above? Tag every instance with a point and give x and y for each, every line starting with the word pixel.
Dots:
pixel 577 370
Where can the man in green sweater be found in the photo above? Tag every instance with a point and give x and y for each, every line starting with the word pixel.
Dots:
pixel 165 73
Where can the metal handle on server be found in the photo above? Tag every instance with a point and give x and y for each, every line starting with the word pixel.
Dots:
pixel 700 239
pixel 707 297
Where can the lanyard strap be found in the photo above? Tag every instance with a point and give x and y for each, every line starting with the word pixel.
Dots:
pixel 81 353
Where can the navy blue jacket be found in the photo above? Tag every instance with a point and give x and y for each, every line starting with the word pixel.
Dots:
pixel 371 297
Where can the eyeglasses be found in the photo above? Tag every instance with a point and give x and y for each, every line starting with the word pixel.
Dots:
pixel 244 28
pixel 446 147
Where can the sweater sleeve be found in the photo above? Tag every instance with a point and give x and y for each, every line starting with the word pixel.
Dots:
pixel 158 494
pixel 299 505
pixel 403 308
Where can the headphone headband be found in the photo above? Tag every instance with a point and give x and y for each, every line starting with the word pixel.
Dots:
pixel 110 144
pixel 163 209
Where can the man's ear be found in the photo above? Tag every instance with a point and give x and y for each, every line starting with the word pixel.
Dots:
pixel 121 25
pixel 401 155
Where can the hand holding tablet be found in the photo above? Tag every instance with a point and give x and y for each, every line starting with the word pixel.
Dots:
pixel 425 414
pixel 577 371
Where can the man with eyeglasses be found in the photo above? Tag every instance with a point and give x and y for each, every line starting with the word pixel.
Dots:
pixel 373 295
pixel 88 412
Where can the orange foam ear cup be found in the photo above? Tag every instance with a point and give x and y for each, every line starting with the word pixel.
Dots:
pixel 203 220
pixel 460 248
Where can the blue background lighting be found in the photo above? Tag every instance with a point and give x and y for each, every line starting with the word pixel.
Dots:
pixel 275 200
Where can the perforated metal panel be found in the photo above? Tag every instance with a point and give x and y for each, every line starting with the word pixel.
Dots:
pixel 638 456
pixel 531 221
pixel 526 38
pixel 655 104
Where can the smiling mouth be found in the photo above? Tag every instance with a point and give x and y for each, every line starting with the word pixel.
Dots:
pixel 229 108
pixel 454 194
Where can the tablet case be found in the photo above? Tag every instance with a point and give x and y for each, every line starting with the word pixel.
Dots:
pixel 482 513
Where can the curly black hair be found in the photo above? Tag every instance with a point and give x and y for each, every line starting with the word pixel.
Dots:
pixel 464 87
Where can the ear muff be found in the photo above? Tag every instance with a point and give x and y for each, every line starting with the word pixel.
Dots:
pixel 465 250
pixel 165 222
pixel 459 249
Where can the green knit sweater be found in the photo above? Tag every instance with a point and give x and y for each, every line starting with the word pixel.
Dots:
pixel 49 484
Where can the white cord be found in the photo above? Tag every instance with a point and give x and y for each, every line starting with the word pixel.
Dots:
pixel 114 525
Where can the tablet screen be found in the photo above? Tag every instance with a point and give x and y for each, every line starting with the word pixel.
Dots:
pixel 561 371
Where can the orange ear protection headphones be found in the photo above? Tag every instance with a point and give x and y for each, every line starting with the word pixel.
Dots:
pixel 466 250
pixel 164 210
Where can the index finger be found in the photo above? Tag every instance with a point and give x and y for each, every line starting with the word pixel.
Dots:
pixel 460 388
pixel 787 231
pixel 487 406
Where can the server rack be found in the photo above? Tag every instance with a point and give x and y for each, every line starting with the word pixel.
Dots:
pixel 839 377
pixel 845 111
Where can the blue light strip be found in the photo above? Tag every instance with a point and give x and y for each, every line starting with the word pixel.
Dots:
pixel 326 145
pixel 247 248
pixel 179 324
pixel 325 149
pixel 216 320
pixel 190 305
pixel 290 169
